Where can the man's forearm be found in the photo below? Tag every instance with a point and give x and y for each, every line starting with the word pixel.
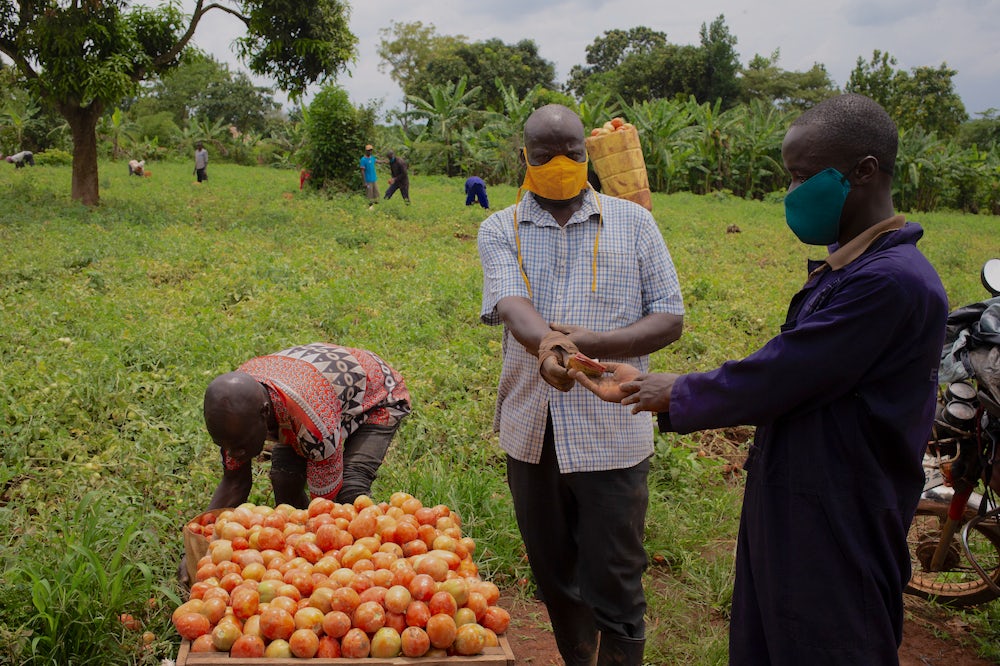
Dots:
pixel 649 334
pixel 231 492
pixel 523 321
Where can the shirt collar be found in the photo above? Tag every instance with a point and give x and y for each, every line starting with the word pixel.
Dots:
pixel 535 214
pixel 854 248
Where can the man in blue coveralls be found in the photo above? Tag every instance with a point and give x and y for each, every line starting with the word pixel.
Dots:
pixel 843 399
pixel 475 190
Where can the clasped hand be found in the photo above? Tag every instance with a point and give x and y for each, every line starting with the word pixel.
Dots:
pixel 554 352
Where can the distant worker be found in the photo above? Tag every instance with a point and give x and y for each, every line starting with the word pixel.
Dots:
pixel 475 190
pixel 200 162
pixel 399 176
pixel 22 158
pixel 367 166
pixel 136 167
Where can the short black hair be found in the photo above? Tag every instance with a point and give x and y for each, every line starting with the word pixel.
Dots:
pixel 854 125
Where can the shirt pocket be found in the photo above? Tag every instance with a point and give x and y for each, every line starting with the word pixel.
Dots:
pixel 618 285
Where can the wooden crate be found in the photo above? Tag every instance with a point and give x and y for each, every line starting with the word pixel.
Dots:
pixel 492 656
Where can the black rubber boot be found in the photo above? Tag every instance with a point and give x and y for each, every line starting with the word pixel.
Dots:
pixel 579 652
pixel 576 637
pixel 620 650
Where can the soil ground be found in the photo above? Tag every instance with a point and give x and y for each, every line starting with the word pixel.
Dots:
pixel 930 636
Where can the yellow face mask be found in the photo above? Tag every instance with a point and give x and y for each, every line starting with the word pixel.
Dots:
pixel 559 179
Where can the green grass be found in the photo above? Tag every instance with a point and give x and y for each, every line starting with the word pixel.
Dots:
pixel 113 320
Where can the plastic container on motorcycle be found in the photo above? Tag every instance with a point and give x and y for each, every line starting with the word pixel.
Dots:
pixel 991 276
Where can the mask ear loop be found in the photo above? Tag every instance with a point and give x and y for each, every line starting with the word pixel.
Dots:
pixel 517 242
pixel 597 240
pixel 597 237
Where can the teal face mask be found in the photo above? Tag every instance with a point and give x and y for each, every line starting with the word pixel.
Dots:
pixel 812 210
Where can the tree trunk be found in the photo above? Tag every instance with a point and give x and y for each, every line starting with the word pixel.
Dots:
pixel 83 124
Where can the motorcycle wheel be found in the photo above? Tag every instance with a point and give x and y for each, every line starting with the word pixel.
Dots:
pixel 958 584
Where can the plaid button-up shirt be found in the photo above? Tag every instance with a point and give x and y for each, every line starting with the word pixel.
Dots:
pixel 634 277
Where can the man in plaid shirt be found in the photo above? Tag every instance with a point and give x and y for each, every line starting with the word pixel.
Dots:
pixel 564 270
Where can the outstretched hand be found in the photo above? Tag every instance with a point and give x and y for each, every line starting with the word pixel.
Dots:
pixel 649 393
pixel 625 384
pixel 608 387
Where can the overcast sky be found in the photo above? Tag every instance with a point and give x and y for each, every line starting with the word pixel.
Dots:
pixel 964 34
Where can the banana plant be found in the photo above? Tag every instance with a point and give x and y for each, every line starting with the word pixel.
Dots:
pixel 757 130
pixel 447 109
pixel 917 162
pixel 19 113
pixel 119 130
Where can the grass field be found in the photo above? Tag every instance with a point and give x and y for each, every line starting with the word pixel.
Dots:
pixel 113 320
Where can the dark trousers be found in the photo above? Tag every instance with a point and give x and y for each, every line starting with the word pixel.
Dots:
pixel 364 451
pixel 401 184
pixel 477 193
pixel 202 174
pixel 583 533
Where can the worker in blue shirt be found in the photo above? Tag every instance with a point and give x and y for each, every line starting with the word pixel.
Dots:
pixel 842 399
pixel 367 165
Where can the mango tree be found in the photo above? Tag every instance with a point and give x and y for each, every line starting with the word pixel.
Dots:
pixel 84 56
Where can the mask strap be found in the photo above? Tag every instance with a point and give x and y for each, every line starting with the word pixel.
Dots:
pixel 597 240
pixel 517 242
pixel 597 237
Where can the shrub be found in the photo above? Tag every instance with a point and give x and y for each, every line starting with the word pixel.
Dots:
pixel 337 135
pixel 53 156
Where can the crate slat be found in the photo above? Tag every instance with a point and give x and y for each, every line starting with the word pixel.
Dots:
pixel 491 656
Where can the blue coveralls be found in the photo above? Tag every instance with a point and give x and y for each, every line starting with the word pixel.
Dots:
pixel 475 190
pixel 843 400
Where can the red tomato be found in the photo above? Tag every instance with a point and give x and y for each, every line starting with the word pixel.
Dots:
pixel 442 602
pixel 355 644
pixel 496 619
pixel 422 587
pixel 441 629
pixel 369 616
pixel 329 648
pixel 417 614
pixel 191 625
pixel 414 642
pixel 247 647
pixel 304 643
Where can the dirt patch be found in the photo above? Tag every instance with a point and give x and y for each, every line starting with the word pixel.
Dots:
pixel 931 637
pixel 530 633
pixel 934 637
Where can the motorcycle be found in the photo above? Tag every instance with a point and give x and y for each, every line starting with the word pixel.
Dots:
pixel 954 541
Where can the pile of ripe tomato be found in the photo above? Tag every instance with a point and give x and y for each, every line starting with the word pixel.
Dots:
pixel 339 580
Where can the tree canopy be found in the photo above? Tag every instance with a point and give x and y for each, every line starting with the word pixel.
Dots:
pixel 762 79
pixel 419 59
pixel 85 57
pixel 203 87
pixel 641 64
pixel 924 97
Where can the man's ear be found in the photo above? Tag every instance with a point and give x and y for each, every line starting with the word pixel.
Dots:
pixel 520 156
pixel 867 169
